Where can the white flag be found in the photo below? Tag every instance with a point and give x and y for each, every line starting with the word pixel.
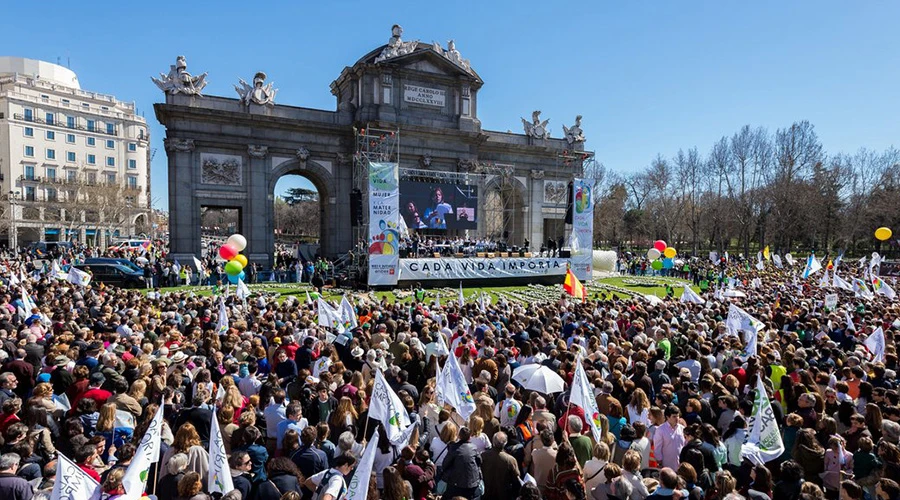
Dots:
pixel 879 286
pixel 582 395
pixel 219 475
pixel 861 290
pixel 348 314
pixel 812 266
pixel 72 483
pixel 358 488
pixel 328 316
pixel 78 277
pixel 764 443
pixel 455 389
pixel 714 257
pixel 308 298
pixel 13 279
pixel 222 321
pixel 462 301
pixel 176 267
pixel 56 271
pixel 875 344
pixel 691 296
pixel 146 455
pixel 481 303
pixel 437 300
pixel 849 321
pixel 824 282
pixel 386 407
pixel 198 265
pixel 241 290
pixel 789 259
pixel 739 320
pixel 838 282
pixel 777 260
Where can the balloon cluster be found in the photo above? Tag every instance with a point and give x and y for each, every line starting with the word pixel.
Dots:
pixel 236 261
pixel 883 233
pixel 661 256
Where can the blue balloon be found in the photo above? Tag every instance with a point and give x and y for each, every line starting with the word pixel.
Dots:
pixel 242 276
pixel 233 279
pixel 668 263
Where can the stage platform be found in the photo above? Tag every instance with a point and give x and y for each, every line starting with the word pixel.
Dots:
pixel 491 269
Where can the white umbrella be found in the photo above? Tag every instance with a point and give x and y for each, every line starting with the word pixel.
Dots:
pixel 653 299
pixel 539 378
pixel 734 293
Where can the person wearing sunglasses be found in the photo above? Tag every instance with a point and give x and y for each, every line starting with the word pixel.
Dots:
pixel 241 464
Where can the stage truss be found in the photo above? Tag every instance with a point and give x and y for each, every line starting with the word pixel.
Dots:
pixel 581 163
pixel 376 145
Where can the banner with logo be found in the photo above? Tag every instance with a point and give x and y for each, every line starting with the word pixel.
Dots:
pixel 582 240
pixel 384 223
pixel 480 268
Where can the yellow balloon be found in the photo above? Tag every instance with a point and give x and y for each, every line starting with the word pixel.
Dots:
pixel 242 259
pixel 670 253
pixel 883 233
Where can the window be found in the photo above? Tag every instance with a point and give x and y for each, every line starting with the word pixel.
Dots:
pixel 51 154
pixel 70 138
pixel 51 173
pixel 65 101
pixel 91 178
pixel 70 156
pixel 45 97
pixel 141 134
pixel 29 193
pixel 71 175
pixel 91 141
pixel 51 135
pixel 110 129
pixel 29 115
pixel 104 108
pixel 51 194
pixel 70 121
pixel 110 144
pixel 85 105
pixel 91 159
pixel 29 172
pixel 132 147
pixel 132 182
pixel 110 161
pixel 29 132
pixel 29 151
pixel 132 164
pixel 49 118
pixel 110 178
pixel 91 126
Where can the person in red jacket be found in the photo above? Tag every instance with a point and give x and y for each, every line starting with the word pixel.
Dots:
pixel 94 391
pixel 85 457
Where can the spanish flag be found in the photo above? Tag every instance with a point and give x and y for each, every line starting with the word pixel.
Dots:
pixel 766 252
pixel 573 286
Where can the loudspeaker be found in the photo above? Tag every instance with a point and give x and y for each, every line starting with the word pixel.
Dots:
pixel 356 208
pixel 565 254
pixel 570 201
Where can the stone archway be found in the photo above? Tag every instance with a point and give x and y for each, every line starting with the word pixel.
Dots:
pixel 324 183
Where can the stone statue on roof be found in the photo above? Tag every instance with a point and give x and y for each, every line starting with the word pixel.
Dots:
pixel 396 46
pixel 259 93
pixel 179 81
pixel 574 134
pixel 536 128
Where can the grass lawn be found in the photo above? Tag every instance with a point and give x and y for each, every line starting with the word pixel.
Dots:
pixel 644 285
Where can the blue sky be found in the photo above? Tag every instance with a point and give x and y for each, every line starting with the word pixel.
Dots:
pixel 649 77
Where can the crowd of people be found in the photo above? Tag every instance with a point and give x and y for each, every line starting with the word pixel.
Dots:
pixel 86 369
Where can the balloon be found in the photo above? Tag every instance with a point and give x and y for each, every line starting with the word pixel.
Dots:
pixel 242 259
pixel 233 268
pixel 668 263
pixel 233 279
pixel 314 295
pixel 670 253
pixel 227 251
pixel 242 276
pixel 883 233
pixel 237 241
pixel 660 245
pixel 653 254
pixel 657 265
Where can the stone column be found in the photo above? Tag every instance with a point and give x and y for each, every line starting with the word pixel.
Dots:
pixel 256 227
pixel 184 222
pixel 536 215
pixel 337 209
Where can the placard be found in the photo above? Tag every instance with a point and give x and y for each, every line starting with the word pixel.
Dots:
pixel 480 268
pixel 384 223
pixel 424 95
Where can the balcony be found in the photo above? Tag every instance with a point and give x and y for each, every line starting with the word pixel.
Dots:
pixel 57 124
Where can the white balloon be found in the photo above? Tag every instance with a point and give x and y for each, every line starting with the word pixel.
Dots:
pixel 237 241
pixel 653 254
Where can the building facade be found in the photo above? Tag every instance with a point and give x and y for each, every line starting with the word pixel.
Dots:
pixel 420 99
pixel 74 164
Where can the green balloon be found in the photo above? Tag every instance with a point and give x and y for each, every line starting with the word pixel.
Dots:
pixel 233 268
pixel 657 265
pixel 314 295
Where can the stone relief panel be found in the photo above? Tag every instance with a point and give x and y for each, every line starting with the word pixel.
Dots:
pixel 222 170
pixel 554 192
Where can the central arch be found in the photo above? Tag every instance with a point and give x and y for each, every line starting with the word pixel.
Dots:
pixel 323 181
pixel 504 202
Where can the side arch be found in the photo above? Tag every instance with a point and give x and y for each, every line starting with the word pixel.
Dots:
pixel 326 187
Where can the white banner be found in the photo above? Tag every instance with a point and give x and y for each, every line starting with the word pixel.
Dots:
pixel 384 223
pixel 582 241
pixel 480 268
pixel 218 478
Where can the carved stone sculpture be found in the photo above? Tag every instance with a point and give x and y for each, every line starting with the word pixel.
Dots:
pixel 396 46
pixel 536 128
pixel 179 81
pixel 342 158
pixel 302 154
pixel 257 151
pixel 179 145
pixel 574 134
pixel 425 161
pixel 224 170
pixel 537 174
pixel 259 93
pixel 452 54
pixel 466 164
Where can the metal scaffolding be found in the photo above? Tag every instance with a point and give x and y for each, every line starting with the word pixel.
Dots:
pixel 375 145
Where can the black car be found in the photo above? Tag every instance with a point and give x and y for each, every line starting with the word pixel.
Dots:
pixel 50 247
pixel 122 262
pixel 114 274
